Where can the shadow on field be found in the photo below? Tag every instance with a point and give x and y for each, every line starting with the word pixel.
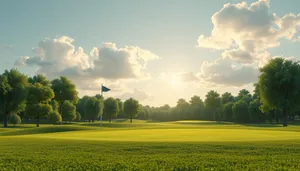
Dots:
pixel 43 130
pixel 203 122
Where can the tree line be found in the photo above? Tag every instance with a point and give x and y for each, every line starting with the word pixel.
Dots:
pixel 36 98
pixel 275 98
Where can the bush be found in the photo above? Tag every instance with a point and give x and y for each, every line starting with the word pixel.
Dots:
pixel 78 116
pixel 15 119
pixel 54 118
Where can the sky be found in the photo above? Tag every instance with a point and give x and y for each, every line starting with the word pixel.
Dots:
pixel 155 51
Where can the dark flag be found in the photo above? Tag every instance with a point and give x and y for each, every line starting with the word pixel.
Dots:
pixel 104 89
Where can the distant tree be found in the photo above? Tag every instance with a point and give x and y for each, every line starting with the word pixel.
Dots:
pixel 55 105
pixel 99 97
pixel 244 95
pixel 181 110
pixel 13 93
pixel 255 112
pixel 64 90
pixel 196 108
pixel 80 107
pixel 227 111
pixel 54 117
pixel 93 108
pixel 39 79
pixel 144 113
pixel 15 119
pixel 38 100
pixel 78 116
pixel 213 104
pixel 121 109
pixel 240 111
pixel 256 94
pixel 69 111
pixel 167 107
pixel 226 98
pixel 111 108
pixel 279 86
pixel 131 108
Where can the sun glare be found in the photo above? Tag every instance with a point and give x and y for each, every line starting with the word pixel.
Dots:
pixel 175 81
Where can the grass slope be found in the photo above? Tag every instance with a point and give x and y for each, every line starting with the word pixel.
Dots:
pixel 185 145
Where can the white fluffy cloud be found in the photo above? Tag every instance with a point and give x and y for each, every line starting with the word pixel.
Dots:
pixel 223 72
pixel 247 30
pixel 245 33
pixel 114 63
pixel 105 64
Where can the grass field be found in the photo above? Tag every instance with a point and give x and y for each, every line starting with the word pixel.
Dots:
pixel 183 145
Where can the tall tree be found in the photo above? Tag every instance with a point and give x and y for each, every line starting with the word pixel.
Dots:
pixel 255 112
pixel 69 111
pixel 38 100
pixel 226 98
pixel 240 111
pixel 279 86
pixel 93 108
pixel 227 111
pixel 121 109
pixel 182 110
pixel 64 90
pixel 131 108
pixel 13 93
pixel 80 105
pixel 196 107
pixel 39 79
pixel 213 103
pixel 144 113
pixel 244 95
pixel 111 108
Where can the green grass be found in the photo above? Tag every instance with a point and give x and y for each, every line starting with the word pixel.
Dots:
pixel 184 145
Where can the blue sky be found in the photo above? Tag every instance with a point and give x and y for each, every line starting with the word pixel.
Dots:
pixel 168 29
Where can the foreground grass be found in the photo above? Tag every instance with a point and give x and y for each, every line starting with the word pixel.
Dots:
pixel 150 146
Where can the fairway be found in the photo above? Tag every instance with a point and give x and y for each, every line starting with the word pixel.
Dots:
pixel 176 135
pixel 184 145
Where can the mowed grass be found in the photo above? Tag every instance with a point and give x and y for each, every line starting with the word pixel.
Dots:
pixel 184 145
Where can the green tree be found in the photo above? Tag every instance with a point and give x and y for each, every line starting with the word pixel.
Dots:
pixel 255 112
pixel 226 98
pixel 69 111
pixel 93 108
pixel 55 105
pixel 144 113
pixel 121 109
pixel 111 108
pixel 54 117
pixel 80 105
pixel 15 119
pixel 131 108
pixel 181 110
pixel 227 111
pixel 244 95
pixel 64 90
pixel 240 111
pixel 38 100
pixel 13 93
pixel 279 86
pixel 78 116
pixel 196 107
pixel 213 104
pixel 39 79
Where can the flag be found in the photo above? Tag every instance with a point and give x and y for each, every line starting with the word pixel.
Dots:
pixel 104 89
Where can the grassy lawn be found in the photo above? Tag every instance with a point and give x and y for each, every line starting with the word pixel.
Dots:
pixel 185 145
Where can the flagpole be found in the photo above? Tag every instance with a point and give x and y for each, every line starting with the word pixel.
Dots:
pixel 102 110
